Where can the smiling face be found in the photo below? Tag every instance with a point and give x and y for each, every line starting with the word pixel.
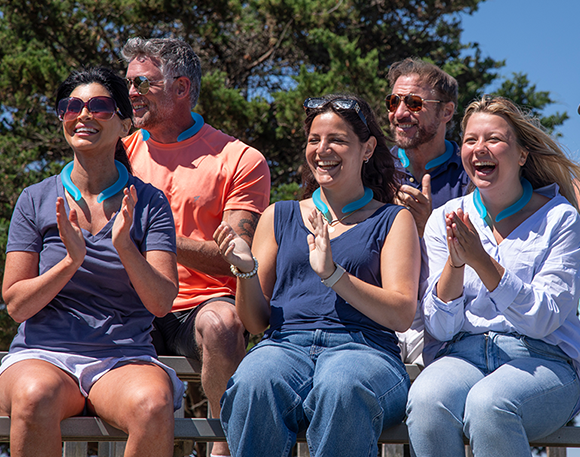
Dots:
pixel 490 152
pixel 412 129
pixel 156 106
pixel 334 152
pixel 84 133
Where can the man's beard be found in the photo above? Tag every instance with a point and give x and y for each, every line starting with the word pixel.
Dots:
pixel 422 136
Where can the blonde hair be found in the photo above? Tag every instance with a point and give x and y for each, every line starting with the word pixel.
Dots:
pixel 546 162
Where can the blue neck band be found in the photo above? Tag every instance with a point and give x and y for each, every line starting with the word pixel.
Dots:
pixel 351 207
pixel 108 192
pixel 510 210
pixel 198 123
pixel 432 163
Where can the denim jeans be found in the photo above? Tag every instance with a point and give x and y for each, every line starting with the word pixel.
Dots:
pixel 343 389
pixel 501 390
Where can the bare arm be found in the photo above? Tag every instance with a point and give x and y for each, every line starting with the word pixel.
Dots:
pixel 394 304
pixel 205 256
pixel 252 294
pixel 154 276
pixel 25 292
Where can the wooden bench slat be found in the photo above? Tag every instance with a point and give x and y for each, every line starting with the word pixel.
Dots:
pixel 205 430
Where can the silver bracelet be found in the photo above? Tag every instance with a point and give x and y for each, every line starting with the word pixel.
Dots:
pixel 334 277
pixel 241 275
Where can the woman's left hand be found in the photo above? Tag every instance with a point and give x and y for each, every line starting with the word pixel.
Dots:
pixel 464 239
pixel 319 244
pixel 122 226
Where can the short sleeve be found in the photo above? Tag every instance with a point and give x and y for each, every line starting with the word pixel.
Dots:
pixel 250 187
pixel 156 231
pixel 24 234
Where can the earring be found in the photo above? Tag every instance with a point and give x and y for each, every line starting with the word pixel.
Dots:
pixel 367 160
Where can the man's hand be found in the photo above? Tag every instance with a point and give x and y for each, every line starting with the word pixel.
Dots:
pixel 418 202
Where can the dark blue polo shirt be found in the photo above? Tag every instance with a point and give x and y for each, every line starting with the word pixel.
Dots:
pixel 449 180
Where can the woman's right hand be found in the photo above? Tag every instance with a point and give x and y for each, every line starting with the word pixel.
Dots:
pixel 70 232
pixel 233 248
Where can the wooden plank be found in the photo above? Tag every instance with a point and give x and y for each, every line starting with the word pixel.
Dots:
pixel 203 430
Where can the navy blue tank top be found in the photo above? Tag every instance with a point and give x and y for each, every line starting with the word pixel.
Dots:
pixel 300 301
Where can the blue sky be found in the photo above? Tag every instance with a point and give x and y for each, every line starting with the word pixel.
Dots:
pixel 541 39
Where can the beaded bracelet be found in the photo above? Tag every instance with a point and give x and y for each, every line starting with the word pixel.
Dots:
pixel 240 275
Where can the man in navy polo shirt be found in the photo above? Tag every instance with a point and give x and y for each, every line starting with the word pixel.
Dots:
pixel 422 103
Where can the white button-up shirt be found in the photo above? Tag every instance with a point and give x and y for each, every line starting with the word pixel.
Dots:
pixel 538 293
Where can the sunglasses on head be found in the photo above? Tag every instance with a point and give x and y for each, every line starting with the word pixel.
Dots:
pixel 102 108
pixel 338 103
pixel 414 102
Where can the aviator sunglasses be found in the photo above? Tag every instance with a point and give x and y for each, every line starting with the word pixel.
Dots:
pixel 413 102
pixel 102 108
pixel 142 84
pixel 338 103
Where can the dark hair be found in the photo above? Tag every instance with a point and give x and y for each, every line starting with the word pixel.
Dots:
pixel 444 85
pixel 117 88
pixel 172 56
pixel 379 173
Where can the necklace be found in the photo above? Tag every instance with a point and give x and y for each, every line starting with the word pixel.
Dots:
pixel 198 123
pixel 510 210
pixel 75 193
pixel 347 210
pixel 432 163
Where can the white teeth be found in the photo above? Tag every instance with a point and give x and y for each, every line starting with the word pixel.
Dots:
pixel 136 107
pixel 327 163
pixel 85 130
pixel 484 164
pixel 405 126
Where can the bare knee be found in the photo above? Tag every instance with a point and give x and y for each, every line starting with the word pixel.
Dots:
pixel 36 400
pixel 219 326
pixel 150 407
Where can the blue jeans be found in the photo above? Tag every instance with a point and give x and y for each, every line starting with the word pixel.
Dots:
pixel 343 389
pixel 501 390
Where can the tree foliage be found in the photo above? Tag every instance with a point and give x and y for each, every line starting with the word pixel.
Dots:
pixel 261 59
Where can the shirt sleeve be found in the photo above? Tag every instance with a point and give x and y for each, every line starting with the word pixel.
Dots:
pixel 156 231
pixel 23 234
pixel 538 308
pixel 442 320
pixel 250 187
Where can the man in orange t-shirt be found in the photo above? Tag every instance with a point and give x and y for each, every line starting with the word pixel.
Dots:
pixel 207 177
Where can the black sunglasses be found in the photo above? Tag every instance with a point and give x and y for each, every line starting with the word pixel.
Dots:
pixel 413 102
pixel 102 108
pixel 338 103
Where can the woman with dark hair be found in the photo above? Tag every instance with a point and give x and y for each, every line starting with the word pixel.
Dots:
pixel 502 294
pixel 85 281
pixel 338 276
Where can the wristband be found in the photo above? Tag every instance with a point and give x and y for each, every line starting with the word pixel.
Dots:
pixel 334 277
pixel 241 275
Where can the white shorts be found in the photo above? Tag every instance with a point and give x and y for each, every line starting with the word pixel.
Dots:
pixel 88 370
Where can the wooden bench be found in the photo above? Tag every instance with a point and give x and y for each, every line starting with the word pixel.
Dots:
pixel 77 431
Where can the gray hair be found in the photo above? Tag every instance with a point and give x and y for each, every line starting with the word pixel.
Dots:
pixel 173 57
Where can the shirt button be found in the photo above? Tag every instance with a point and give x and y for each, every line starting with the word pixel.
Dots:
pixel 412 179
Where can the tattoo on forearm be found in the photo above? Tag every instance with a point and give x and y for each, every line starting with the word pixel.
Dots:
pixel 247 227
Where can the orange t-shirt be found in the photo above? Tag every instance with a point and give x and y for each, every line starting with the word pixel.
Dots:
pixel 202 177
